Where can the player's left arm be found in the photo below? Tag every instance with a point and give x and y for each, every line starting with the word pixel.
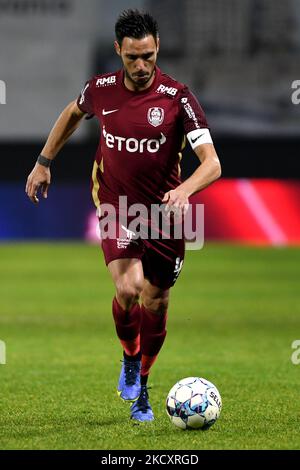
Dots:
pixel 207 172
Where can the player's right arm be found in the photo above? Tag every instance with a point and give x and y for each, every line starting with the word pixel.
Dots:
pixel 64 127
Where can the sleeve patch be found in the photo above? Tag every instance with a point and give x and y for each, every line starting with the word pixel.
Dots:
pixel 82 97
pixel 191 112
pixel 199 137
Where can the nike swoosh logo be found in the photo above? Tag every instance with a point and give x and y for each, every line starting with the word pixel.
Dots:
pixel 198 137
pixel 108 112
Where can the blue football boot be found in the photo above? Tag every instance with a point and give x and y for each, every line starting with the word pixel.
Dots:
pixel 129 387
pixel 141 409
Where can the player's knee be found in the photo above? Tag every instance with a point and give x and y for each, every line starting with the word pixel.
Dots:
pixel 157 305
pixel 128 293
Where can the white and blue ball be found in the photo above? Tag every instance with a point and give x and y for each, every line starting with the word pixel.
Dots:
pixel 194 403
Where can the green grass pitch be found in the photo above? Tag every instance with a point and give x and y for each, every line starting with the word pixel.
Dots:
pixel 233 316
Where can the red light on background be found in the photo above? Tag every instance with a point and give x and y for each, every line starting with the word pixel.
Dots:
pixel 254 211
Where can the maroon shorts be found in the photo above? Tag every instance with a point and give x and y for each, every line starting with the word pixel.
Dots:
pixel 162 259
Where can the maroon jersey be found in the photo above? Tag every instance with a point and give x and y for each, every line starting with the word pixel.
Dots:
pixel 142 135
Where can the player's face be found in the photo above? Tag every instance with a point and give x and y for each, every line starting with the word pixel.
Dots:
pixel 139 58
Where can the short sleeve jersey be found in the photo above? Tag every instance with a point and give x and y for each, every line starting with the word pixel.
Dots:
pixel 142 135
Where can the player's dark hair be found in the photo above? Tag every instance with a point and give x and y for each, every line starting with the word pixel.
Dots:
pixel 135 24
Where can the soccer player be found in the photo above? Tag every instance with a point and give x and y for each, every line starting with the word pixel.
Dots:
pixel 144 116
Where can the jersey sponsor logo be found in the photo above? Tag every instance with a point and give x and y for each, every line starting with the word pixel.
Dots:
pixel 155 116
pixel 178 268
pixel 82 97
pixel 191 113
pixel 125 242
pixel 108 112
pixel 131 144
pixel 106 81
pixel 167 90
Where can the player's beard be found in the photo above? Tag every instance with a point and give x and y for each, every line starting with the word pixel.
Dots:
pixel 139 80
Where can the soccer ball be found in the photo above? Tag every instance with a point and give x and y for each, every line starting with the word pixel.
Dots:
pixel 193 403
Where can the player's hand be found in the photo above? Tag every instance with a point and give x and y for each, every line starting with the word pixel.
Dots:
pixel 177 201
pixel 39 178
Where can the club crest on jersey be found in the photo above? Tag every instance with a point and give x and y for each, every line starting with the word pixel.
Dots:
pixel 155 116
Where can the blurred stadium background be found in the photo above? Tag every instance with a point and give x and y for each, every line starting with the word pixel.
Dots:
pixel 240 58
pixel 235 310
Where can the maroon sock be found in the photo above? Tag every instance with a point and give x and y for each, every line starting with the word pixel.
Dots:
pixel 153 333
pixel 128 326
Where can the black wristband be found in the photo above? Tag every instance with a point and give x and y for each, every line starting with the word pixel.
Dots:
pixel 44 161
